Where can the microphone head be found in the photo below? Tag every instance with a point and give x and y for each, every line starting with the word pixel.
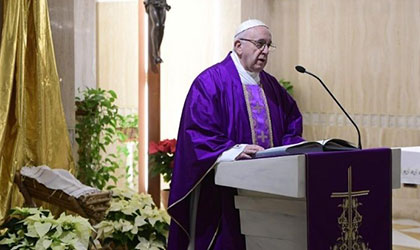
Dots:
pixel 300 69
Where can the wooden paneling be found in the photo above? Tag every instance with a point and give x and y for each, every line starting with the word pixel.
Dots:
pixel 368 53
pixel 117 50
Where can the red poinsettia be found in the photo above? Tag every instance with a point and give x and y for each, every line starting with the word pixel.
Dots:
pixel 161 156
pixel 165 146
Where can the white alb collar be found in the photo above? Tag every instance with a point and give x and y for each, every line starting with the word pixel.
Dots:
pixel 247 77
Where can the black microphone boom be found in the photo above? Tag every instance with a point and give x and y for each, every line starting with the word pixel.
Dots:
pixel 303 70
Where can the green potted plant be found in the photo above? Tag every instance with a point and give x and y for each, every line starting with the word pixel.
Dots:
pixel 97 120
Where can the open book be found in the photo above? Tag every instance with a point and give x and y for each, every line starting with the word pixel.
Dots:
pixel 307 147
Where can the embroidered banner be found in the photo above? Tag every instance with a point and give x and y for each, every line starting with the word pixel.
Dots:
pixel 349 200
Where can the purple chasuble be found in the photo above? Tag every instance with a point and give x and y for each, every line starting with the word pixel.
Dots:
pixel 214 119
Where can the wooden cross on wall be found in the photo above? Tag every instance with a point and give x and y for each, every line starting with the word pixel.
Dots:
pixel 156 12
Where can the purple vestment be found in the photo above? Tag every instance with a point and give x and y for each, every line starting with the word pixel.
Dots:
pixel 214 119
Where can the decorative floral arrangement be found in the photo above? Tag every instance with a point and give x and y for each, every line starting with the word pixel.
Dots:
pixel 133 222
pixel 36 228
pixel 161 156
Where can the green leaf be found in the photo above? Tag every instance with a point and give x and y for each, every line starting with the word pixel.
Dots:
pixel 287 85
pixel 113 94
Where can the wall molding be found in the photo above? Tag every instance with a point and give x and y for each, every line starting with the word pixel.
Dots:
pixel 363 120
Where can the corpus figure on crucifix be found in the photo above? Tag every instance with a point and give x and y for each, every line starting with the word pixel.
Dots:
pixel 157 15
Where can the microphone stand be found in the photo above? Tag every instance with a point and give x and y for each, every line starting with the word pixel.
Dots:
pixel 303 70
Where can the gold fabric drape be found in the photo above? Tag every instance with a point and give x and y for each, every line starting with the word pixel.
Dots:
pixel 33 130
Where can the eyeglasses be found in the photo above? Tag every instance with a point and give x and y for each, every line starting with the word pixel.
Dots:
pixel 260 44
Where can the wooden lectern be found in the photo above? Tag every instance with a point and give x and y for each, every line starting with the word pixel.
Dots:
pixel 272 199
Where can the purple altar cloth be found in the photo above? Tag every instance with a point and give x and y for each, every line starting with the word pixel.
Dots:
pixel 368 211
pixel 214 119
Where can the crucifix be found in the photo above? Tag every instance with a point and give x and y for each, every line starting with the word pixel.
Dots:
pixel 157 16
pixel 349 202
pixel 156 10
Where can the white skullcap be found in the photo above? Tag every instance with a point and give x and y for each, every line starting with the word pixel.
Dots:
pixel 251 23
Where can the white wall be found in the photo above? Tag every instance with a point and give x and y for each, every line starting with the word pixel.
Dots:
pixel 117 50
pixel 198 34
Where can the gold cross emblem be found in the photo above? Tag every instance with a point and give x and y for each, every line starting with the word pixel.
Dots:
pixel 350 238
pixel 258 107
pixel 262 136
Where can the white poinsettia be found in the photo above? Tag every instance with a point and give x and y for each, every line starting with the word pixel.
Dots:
pixel 43 243
pixel 37 229
pixel 105 229
pixel 117 206
pixel 126 226
pixel 129 209
pixel 11 239
pixel 140 220
pixel 42 228
pixel 80 227
pixel 165 216
pixel 132 216
pixel 31 231
pixel 146 199
pixel 149 245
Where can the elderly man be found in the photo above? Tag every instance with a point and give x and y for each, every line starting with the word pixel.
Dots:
pixel 232 110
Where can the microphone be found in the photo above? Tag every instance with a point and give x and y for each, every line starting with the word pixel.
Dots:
pixel 302 70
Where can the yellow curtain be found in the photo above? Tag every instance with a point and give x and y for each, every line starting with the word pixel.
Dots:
pixel 33 130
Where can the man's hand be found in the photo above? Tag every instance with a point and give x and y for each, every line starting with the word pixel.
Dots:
pixel 249 151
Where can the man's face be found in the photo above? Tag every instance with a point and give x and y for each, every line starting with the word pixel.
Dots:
pixel 252 58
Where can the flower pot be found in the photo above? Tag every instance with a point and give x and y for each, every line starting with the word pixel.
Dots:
pixel 164 197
